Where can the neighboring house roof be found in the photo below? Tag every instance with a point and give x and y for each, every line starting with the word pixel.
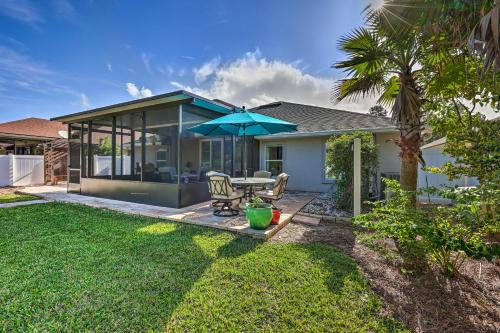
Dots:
pixel 435 143
pixel 35 128
pixel 315 120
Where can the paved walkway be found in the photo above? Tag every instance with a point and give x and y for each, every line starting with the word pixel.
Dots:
pixel 22 203
pixel 200 214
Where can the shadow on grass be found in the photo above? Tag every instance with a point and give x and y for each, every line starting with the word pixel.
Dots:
pixel 424 300
pixel 79 268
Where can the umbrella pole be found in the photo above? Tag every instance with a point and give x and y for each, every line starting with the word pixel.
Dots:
pixel 245 153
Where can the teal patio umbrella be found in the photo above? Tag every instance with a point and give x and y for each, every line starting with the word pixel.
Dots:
pixel 243 123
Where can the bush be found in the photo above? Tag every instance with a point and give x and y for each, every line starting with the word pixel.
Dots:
pixel 340 165
pixel 445 235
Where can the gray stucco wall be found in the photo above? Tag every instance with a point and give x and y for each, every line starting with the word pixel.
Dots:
pixel 304 158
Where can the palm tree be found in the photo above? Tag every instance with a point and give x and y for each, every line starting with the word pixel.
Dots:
pixel 472 26
pixel 386 66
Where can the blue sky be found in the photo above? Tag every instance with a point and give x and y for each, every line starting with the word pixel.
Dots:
pixel 63 56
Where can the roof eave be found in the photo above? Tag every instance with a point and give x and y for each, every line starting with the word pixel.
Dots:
pixel 4 135
pixel 176 97
pixel 325 133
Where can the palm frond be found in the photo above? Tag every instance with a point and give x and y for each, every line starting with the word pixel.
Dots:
pixel 390 92
pixel 356 87
pixel 367 53
pixel 406 112
pixel 484 40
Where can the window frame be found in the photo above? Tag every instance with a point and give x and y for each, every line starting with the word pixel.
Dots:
pixel 266 160
pixel 221 140
pixel 161 150
pixel 326 179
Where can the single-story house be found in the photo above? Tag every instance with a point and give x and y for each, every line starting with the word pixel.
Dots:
pixel 302 153
pixel 142 151
pixel 26 136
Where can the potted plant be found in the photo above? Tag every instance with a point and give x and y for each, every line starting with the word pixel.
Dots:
pixel 259 214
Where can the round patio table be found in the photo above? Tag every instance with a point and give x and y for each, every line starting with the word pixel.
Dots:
pixel 250 182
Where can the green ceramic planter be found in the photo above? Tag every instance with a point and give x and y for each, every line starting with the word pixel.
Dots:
pixel 259 218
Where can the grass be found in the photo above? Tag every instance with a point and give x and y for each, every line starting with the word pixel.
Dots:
pixel 73 268
pixel 15 197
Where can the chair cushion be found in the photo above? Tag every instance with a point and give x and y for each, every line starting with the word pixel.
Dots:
pixel 235 195
pixel 265 194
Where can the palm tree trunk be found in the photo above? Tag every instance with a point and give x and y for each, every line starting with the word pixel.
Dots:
pixel 409 142
pixel 409 120
pixel 409 173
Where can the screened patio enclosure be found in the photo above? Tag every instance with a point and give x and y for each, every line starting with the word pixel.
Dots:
pixel 142 152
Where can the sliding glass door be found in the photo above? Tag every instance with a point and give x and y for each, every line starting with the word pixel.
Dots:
pixel 212 154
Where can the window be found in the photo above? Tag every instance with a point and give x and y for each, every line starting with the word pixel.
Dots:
pixel 161 158
pixel 211 155
pixel 328 175
pixel 274 158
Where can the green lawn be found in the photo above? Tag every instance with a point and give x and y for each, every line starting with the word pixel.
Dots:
pixel 15 197
pixel 74 268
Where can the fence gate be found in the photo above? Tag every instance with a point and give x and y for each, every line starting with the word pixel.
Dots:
pixel 56 161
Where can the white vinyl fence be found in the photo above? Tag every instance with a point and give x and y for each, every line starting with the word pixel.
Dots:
pixel 102 165
pixel 436 158
pixel 21 170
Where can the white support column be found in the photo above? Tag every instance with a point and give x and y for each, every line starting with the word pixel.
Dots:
pixel 357 177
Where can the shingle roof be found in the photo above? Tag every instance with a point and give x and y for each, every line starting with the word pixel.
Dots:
pixel 33 127
pixel 311 118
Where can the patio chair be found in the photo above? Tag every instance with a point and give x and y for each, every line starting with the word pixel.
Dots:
pixel 261 174
pixel 221 191
pixel 277 192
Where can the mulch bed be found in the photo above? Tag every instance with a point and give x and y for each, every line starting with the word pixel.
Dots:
pixel 426 301
pixel 324 205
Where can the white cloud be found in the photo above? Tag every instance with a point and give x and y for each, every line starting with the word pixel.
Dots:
pixel 110 67
pixel 146 60
pixel 22 10
pixel 135 92
pixel 84 101
pixel 64 9
pixel 201 74
pixel 165 70
pixel 253 80
pixel 21 74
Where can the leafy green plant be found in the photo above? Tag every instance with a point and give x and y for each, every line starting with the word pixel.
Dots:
pixel 340 165
pixel 257 202
pixel 444 234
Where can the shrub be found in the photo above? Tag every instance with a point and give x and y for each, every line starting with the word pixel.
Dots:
pixel 445 235
pixel 340 165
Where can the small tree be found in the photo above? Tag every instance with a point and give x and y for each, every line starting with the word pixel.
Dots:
pixel 104 148
pixel 378 111
pixel 340 165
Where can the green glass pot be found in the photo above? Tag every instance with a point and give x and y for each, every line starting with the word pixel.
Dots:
pixel 259 218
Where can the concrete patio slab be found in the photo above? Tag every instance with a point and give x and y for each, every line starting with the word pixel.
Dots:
pixel 199 214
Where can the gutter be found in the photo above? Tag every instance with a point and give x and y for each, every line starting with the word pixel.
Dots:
pixel 295 135
pixel 176 97
pixel 4 136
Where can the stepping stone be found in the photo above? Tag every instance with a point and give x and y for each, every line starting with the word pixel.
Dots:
pixel 308 220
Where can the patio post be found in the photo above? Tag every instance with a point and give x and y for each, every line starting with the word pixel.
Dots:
pixel 357 177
